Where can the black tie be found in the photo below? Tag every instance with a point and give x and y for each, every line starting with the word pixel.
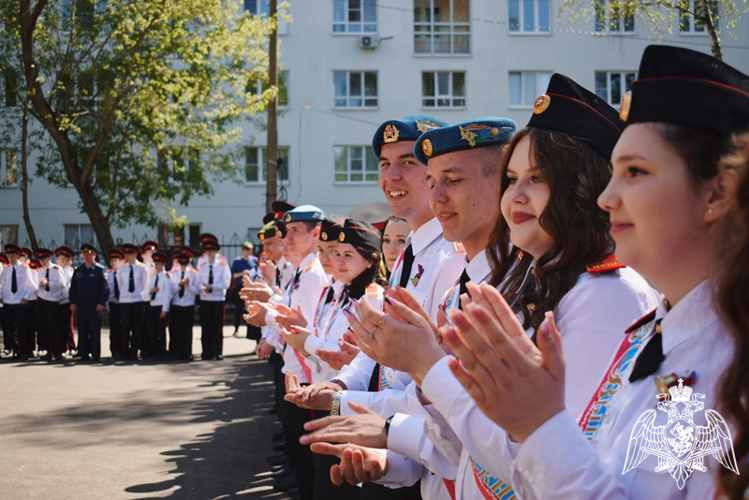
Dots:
pixel 155 284
pixel 131 286
pixel 46 287
pixel 13 282
pixel 464 278
pixel 374 380
pixel 116 287
pixel 182 287
pixel 408 262
pixel 651 356
pixel 278 278
pixel 210 274
pixel 329 296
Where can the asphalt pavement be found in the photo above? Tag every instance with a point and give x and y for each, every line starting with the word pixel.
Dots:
pixel 138 430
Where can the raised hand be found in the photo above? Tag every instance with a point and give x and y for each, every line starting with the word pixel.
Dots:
pixel 516 384
pixel 296 338
pixel 358 464
pixel 254 290
pixel 366 429
pixel 338 359
pixel 288 317
pixel 318 396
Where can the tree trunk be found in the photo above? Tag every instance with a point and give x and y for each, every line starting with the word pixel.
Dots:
pixel 25 176
pixel 98 220
pixel 707 17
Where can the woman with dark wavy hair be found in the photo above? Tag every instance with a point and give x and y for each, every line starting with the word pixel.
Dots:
pixel 733 298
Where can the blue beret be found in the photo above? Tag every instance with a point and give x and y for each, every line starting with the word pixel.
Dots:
pixel 408 128
pixel 304 213
pixel 481 132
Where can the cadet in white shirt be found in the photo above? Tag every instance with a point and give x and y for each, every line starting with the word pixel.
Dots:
pixel 666 163
pixel 160 290
pixel 64 340
pixel 17 287
pixel 6 339
pixel 132 278
pixel 116 259
pixel 215 279
pixel 185 288
pixel 52 284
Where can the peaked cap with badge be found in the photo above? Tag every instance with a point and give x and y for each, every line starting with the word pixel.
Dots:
pixel 278 209
pixel 130 248
pixel 272 229
pixel 116 253
pixel 690 88
pixel 43 253
pixel 304 213
pixel 150 245
pixel 408 128
pixel 567 107
pixel 159 256
pixel 360 234
pixel 471 134
pixel 331 227
pixel 89 248
pixel 65 251
pixel 4 259
pixel 12 248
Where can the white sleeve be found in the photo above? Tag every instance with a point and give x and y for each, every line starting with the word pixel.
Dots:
pixel 356 375
pixel 167 294
pixel 31 284
pixel 401 472
pixel 407 437
pixel 58 284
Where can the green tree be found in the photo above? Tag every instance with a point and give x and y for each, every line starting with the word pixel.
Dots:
pixel 710 16
pixel 140 101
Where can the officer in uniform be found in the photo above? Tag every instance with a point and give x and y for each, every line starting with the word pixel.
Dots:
pixel 89 292
pixel 52 284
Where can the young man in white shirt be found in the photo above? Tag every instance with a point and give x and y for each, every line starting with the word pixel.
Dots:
pixel 16 288
pixel 215 279
pixel 52 284
pixel 64 340
pixel 160 295
pixel 132 278
pixel 116 260
pixel 185 288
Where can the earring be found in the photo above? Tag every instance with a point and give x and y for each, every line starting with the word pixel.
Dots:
pixel 709 211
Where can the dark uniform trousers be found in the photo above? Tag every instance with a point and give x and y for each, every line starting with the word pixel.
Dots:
pixel 212 336
pixel 180 331
pixel 155 344
pixel 89 328
pixel 301 455
pixel 324 487
pixel 47 324
pixel 115 329
pixel 131 315
pixel 63 334
pixel 32 320
pixel 15 327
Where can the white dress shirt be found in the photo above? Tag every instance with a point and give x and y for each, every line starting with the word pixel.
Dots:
pixel 221 279
pixel 191 290
pixel 25 284
pixel 56 283
pixel 140 281
pixel 68 273
pixel 164 294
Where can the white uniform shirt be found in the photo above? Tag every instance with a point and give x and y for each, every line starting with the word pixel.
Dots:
pixel 25 284
pixel 56 283
pixel 164 294
pixel 284 273
pixel 590 318
pixel 303 290
pixel 150 270
pixel 332 331
pixel 436 267
pixel 221 279
pixel 191 290
pixel 555 462
pixel 140 281
pixel 68 273
pixel 35 281
pixel 111 278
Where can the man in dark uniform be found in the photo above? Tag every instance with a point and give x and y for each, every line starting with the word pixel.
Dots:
pixel 89 292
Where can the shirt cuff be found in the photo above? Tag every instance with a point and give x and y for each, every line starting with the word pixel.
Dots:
pixel 548 455
pixel 441 387
pixel 401 471
pixel 404 436
pixel 361 397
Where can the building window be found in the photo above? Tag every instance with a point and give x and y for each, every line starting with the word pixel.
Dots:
pixel 78 234
pixel 255 163
pixel 8 167
pixel 691 20
pixel 614 17
pixel 354 16
pixel 612 85
pixel 194 235
pixel 355 89
pixel 8 234
pixel 526 86
pixel 256 87
pixel 442 27
pixel 443 89
pixel 529 16
pixel 356 164
pixel 262 8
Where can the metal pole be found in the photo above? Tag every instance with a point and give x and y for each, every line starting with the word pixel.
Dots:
pixel 271 151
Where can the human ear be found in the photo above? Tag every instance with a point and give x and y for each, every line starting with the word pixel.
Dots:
pixel 722 194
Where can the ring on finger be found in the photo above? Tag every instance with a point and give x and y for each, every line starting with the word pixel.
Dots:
pixel 371 335
pixel 381 323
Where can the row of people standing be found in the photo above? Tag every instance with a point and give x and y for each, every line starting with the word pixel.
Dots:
pixel 524 245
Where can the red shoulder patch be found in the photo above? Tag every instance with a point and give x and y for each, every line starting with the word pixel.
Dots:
pixel 459 247
pixel 371 291
pixel 606 265
pixel 642 321
pixel 309 266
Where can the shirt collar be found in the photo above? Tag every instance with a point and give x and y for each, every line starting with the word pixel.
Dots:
pixel 337 288
pixel 693 314
pixel 422 237
pixel 478 269
pixel 309 258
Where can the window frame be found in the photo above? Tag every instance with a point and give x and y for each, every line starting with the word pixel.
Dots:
pixel 4 184
pixel 623 79
pixel 692 31
pixel 366 153
pixel 450 95
pixel 540 88
pixel 521 20
pixel 4 234
pixel 256 87
pixel 452 33
pixel 78 226
pixel 607 20
pixel 283 27
pixel 346 24
pixel 261 169
pixel 363 86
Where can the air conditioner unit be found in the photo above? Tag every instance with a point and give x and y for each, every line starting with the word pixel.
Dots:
pixel 369 41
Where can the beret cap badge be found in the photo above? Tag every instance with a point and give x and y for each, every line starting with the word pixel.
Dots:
pixel 626 104
pixel 390 134
pixel 424 125
pixel 541 104
pixel 324 236
pixel 426 146
pixel 288 217
pixel 341 236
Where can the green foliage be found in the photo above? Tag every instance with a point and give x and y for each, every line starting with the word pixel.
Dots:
pixel 149 94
